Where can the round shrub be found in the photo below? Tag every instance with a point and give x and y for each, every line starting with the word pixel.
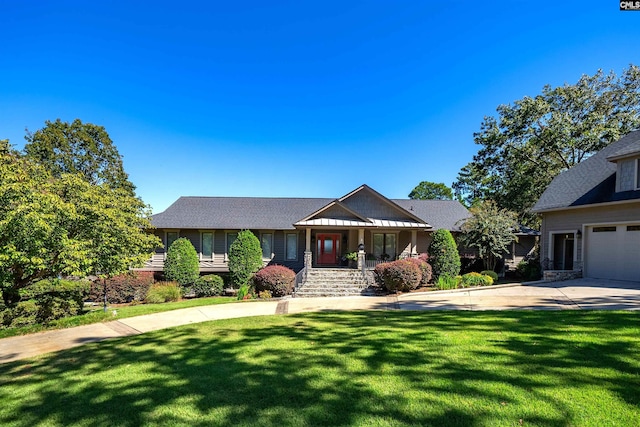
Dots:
pixel 277 279
pixel 425 269
pixel 378 273
pixel 491 274
pixel 401 275
pixel 208 286
pixel 444 254
pixel 182 264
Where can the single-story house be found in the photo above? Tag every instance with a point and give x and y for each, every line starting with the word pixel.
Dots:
pixel 298 232
pixel 591 216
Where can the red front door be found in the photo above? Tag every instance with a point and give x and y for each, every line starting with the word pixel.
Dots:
pixel 328 249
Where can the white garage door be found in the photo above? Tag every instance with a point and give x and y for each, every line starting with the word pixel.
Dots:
pixel 613 252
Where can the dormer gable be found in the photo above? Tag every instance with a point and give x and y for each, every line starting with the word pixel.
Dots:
pixel 627 163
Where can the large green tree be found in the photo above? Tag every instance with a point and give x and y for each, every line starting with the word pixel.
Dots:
pixel 428 190
pixel 78 147
pixel 490 230
pixel 535 138
pixel 64 226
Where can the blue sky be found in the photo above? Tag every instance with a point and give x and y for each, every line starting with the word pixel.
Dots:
pixel 299 98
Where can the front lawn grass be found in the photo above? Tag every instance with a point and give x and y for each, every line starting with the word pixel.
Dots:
pixel 96 314
pixel 367 368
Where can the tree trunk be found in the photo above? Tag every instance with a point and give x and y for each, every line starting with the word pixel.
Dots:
pixel 10 296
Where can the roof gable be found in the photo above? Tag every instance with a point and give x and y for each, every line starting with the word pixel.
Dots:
pixel 371 204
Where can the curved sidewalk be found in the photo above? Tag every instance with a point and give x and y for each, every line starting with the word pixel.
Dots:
pixel 573 294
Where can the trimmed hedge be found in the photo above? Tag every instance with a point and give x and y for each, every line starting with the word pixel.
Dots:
pixel 425 269
pixel 245 258
pixel 182 264
pixel 277 279
pixel 128 287
pixel 163 292
pixel 402 275
pixel 208 286
pixel 444 254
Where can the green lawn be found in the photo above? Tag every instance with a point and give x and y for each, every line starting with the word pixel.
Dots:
pixel 569 368
pixel 97 314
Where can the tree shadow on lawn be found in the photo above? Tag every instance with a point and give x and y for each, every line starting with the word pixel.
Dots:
pixel 384 368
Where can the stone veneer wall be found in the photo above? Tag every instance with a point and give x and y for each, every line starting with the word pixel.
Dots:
pixel 558 275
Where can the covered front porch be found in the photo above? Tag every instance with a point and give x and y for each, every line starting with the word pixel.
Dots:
pixel 329 247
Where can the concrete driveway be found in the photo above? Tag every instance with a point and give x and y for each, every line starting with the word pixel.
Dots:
pixel 586 294
pixel 571 294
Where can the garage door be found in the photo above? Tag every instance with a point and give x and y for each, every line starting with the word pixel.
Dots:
pixel 613 252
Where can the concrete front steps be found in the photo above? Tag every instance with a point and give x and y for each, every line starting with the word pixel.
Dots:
pixel 333 282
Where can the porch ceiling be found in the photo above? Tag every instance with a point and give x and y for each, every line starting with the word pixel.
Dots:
pixel 371 223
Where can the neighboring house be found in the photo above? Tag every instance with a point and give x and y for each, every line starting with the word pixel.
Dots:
pixel 521 249
pixel 591 216
pixel 305 231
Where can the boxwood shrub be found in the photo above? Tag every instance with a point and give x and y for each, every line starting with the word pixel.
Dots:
pixel 491 274
pixel 277 279
pixel 208 286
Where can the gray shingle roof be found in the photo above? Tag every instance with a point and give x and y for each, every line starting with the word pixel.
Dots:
pixel 447 214
pixel 591 181
pixel 264 213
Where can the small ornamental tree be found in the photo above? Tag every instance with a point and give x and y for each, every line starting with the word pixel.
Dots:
pixel 445 259
pixel 182 263
pixel 245 258
pixel 490 230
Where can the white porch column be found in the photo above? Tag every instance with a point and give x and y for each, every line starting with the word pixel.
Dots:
pixel 361 260
pixel 308 260
pixel 414 243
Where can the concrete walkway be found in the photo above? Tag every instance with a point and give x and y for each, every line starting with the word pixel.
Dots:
pixel 571 294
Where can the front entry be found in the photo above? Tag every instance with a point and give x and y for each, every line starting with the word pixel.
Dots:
pixel 328 252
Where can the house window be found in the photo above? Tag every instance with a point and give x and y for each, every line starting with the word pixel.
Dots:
pixel 231 237
pixel 291 247
pixel 206 238
pixel 384 245
pixel 172 236
pixel 638 174
pixel 633 227
pixel 266 242
pixel 603 229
